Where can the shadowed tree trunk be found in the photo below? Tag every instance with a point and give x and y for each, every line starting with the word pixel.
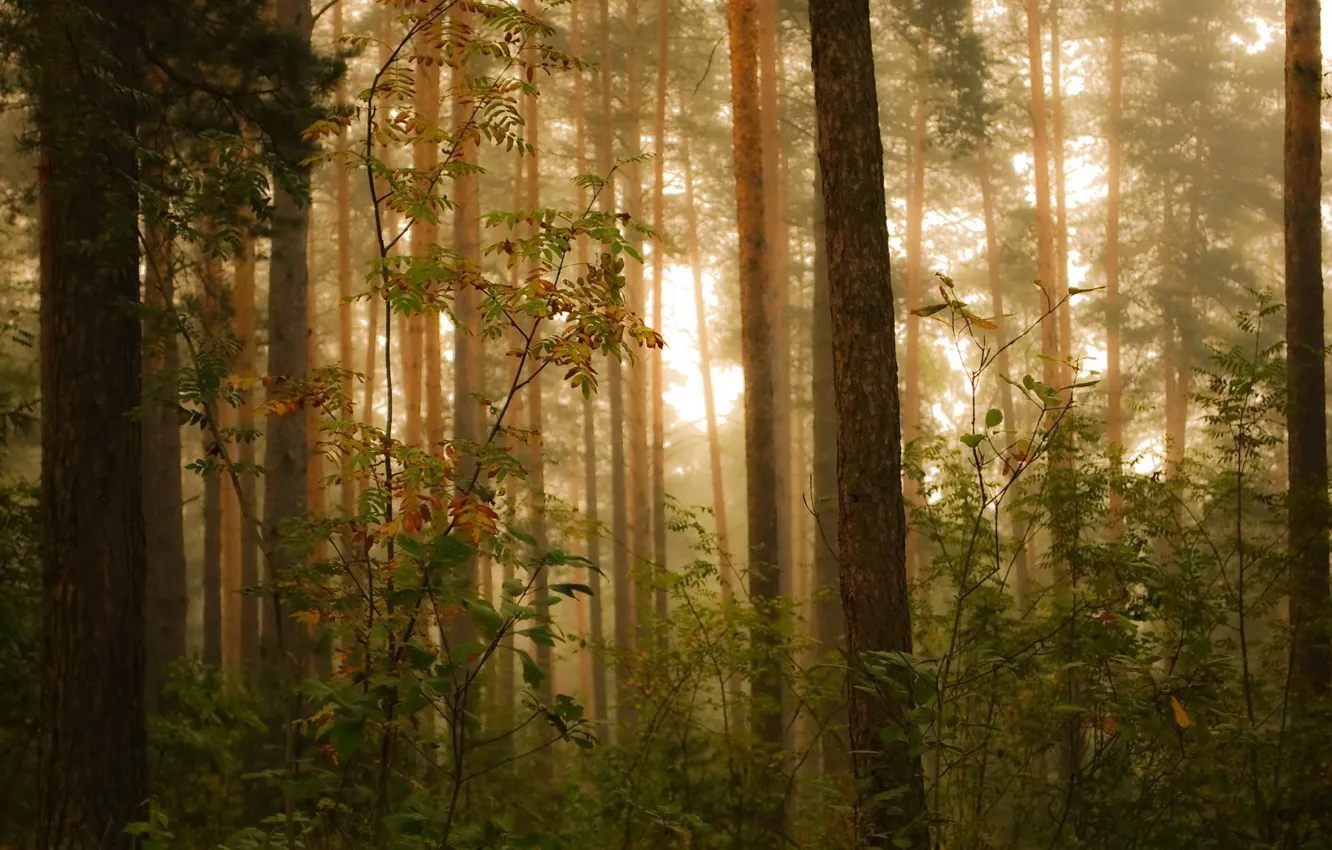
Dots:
pixel 92 780
pixel 756 353
pixel 285 450
pixel 346 309
pixel 241 633
pixel 871 522
pixel 1306 417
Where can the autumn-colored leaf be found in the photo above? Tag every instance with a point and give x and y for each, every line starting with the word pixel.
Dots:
pixel 1182 718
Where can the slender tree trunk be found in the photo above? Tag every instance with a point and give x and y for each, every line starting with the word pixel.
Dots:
pixel 658 272
pixel 168 598
pixel 830 625
pixel 590 448
pixel 718 476
pixel 285 448
pixel 93 778
pixel 774 230
pixel 914 293
pixel 1306 379
pixel 872 521
pixel 756 353
pixel 216 603
pixel 620 575
pixel 1061 204
pixel 1114 378
pixel 241 631
pixel 342 203
pixel 1045 250
pixel 640 510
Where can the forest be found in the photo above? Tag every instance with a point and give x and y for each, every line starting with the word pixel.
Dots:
pixel 647 424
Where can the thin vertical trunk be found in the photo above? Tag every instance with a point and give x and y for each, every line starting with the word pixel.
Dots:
pixel 423 330
pixel 1022 564
pixel 1045 250
pixel 216 605
pixel 756 353
pixel 93 777
pixel 620 575
pixel 168 600
pixel 342 204
pixel 1114 379
pixel 591 509
pixel 914 293
pixel 872 521
pixel 285 448
pixel 658 271
pixel 241 632
pixel 640 510
pixel 774 230
pixel 1061 204
pixel 727 569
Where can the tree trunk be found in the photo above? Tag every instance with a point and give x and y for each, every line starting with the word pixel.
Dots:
pixel 640 510
pixel 216 604
pixel 914 293
pixel 756 354
pixel 1061 204
pixel 241 633
pixel 285 450
pixel 829 623
pixel 342 203
pixel 1114 379
pixel 1306 415
pixel 872 522
pixel 620 572
pixel 1045 251
pixel 92 780
pixel 658 271
pixel 727 569
pixel 590 448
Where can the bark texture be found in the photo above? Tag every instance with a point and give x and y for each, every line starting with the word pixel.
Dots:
pixel 93 775
pixel 1306 379
pixel 871 522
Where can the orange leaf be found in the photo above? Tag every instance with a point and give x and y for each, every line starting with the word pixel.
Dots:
pixel 1182 718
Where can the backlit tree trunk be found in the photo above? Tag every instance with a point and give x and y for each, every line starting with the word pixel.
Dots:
pixel 346 310
pixel 1114 379
pixel 658 271
pixel 241 630
pixel 1306 416
pixel 915 287
pixel 92 780
pixel 872 522
pixel 1045 249
pixel 1061 202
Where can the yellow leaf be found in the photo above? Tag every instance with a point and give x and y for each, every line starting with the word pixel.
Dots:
pixel 306 618
pixel 1181 716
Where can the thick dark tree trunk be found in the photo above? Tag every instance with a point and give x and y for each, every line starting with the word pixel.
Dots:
pixel 285 450
pixel 872 522
pixel 93 769
pixel 1306 380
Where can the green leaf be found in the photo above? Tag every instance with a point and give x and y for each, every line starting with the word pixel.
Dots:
pixel 347 736
pixel 449 551
pixel 569 589
pixel 994 417
pixel 413 547
pixel 513 587
pixel 971 441
pixel 484 615
pixel 929 310
pixel 522 535
pixel 533 675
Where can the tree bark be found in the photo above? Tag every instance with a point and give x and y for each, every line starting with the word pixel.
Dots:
pixel 342 204
pixel 1045 250
pixel 914 293
pixel 1061 202
pixel 756 354
pixel 1114 378
pixel 92 779
pixel 240 634
pixel 1306 379
pixel 872 521
pixel 658 271
pixel 285 450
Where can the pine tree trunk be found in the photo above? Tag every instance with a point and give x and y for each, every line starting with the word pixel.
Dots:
pixel 718 476
pixel 285 449
pixel 756 353
pixel 872 521
pixel 620 573
pixel 914 293
pixel 591 511
pixel 240 631
pixel 1306 416
pixel 658 271
pixel 216 603
pixel 1061 202
pixel 1045 250
pixel 342 204
pixel 1114 379
pixel 640 509
pixel 829 623
pixel 92 780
